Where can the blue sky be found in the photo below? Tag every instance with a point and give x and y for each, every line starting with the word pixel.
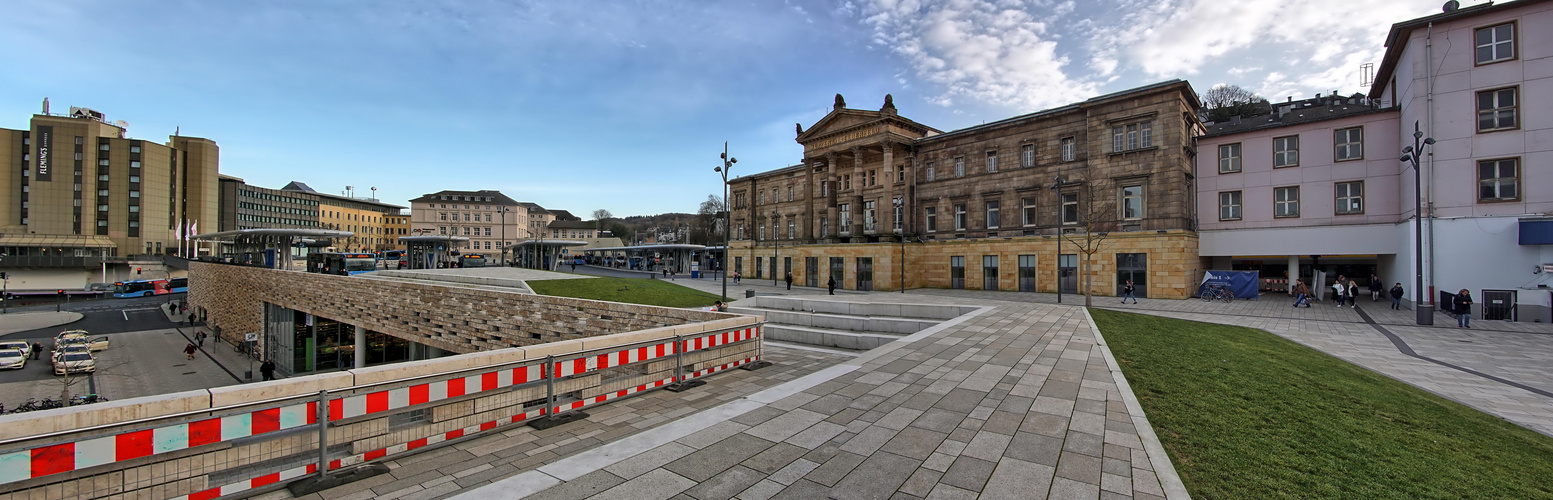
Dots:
pixel 625 105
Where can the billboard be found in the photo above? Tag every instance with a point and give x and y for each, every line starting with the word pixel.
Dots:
pixel 45 143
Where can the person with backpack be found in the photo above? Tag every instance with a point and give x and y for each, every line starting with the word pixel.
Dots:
pixel 1127 291
pixel 1462 304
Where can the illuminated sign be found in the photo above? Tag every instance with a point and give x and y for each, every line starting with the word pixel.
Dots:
pixel 45 142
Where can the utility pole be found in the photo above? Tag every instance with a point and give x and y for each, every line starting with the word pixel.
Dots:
pixel 728 162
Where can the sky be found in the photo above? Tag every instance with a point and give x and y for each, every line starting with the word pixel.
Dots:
pixel 626 105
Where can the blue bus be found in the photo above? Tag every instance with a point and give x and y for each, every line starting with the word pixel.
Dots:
pixel 178 285
pixel 341 263
pixel 141 288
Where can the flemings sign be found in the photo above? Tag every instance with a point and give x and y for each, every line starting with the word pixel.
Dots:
pixel 45 145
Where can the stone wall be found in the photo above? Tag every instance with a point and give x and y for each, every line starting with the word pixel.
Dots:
pixel 1174 267
pixel 451 318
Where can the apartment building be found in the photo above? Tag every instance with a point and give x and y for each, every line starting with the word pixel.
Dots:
pixel 491 220
pixel 246 206
pixel 369 218
pixel 881 202
pixel 79 198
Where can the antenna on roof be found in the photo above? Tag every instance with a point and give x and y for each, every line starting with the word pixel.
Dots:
pixel 1451 6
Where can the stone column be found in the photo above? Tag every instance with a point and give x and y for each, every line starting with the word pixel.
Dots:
pixel 1294 271
pixel 856 199
pixel 889 190
pixel 361 347
pixel 832 185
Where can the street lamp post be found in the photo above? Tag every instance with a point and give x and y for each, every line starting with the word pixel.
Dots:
pixel 900 209
pixel 775 242
pixel 1057 186
pixel 1423 311
pixel 728 162
pixel 504 235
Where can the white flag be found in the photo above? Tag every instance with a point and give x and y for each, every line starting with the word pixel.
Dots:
pixel 194 228
pixel 179 234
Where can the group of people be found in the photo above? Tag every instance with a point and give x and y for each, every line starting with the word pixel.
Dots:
pixel 1346 291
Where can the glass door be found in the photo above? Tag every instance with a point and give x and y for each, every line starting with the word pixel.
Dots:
pixel 1027 273
pixel 1067 273
pixel 1135 267
pixel 865 273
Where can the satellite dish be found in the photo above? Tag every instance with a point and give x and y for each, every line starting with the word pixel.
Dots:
pixel 1451 6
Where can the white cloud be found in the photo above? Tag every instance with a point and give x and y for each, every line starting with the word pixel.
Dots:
pixel 989 51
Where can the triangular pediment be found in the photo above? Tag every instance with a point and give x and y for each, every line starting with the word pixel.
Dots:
pixel 839 119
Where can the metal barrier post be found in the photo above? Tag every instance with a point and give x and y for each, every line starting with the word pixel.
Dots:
pixel 680 383
pixel 550 386
pixel 323 434
pixel 552 418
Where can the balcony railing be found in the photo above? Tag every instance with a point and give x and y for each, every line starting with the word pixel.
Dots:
pixel 51 261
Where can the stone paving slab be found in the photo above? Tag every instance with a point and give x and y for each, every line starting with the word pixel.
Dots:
pixel 1016 401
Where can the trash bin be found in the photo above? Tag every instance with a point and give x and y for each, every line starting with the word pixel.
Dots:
pixel 749 293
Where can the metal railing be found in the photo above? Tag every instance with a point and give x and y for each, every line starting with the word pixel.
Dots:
pixel 230 449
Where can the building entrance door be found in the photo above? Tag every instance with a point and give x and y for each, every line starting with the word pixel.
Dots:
pixel 837 270
pixel 1135 267
pixel 811 276
pixel 1067 273
pixel 1027 273
pixel 865 273
pixel 1499 305
pixel 957 272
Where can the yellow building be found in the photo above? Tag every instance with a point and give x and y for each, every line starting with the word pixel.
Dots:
pixel 370 220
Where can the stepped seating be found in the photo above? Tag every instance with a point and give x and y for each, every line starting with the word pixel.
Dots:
pixel 845 325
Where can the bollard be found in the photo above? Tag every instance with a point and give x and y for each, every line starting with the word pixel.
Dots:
pixel 323 434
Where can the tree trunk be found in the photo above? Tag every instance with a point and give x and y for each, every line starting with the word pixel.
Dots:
pixel 1089 281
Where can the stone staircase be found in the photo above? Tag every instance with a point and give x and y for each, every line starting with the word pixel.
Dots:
pixel 846 325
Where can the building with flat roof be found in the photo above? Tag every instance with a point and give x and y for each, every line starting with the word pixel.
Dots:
pixel 78 197
pixel 975 207
pixel 491 220
pixel 369 218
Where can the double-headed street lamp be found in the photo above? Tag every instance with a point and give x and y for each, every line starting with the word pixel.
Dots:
pixel 775 242
pixel 1411 155
pixel 728 162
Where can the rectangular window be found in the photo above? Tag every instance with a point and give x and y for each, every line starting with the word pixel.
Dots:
pixel 1068 149
pixel 1229 205
pixel 1132 202
pixel 1132 136
pixel 989 272
pixel 1069 208
pixel 845 209
pixel 930 214
pixel 1495 43
pixel 1497 180
pixel 959 217
pixel 134 194
pixel 1496 109
pixel 791 224
pixel 1286 151
pixel 1029 210
pixel 870 216
pixel 929 171
pixel 957 272
pixel 900 214
pixel 1286 201
pixel 992 161
pixel 1350 197
pixel 1229 158
pixel 1348 144
pixel 1027 155
pixel 134 164
pixel 959 166
pixel 992 215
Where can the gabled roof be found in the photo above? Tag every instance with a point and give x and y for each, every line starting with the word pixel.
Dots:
pixel 1401 31
pixel 564 215
pixel 573 224
pixel 297 186
pixel 533 208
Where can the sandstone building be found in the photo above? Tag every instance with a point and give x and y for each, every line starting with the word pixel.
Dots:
pixel 976 207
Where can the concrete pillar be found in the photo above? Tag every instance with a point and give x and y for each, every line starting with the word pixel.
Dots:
pixel 1294 271
pixel 361 347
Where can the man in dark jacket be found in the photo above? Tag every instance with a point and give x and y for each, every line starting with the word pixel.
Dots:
pixel 789 281
pixel 267 369
pixel 831 285
pixel 1376 288
pixel 1463 306
pixel 1396 296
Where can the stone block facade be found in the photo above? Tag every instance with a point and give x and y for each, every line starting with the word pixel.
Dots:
pixel 451 318
pixel 1173 268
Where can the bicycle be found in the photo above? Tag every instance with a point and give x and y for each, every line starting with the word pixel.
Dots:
pixel 1217 292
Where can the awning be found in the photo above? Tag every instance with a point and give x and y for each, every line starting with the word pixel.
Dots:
pixel 56 240
pixel 1536 231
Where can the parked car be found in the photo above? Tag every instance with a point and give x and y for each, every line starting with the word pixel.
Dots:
pixel 12 359
pixel 74 362
pixel 71 349
pixel 20 345
pixel 97 344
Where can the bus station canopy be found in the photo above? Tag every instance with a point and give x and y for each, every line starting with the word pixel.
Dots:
pixel 315 233
pixel 647 248
pixel 432 238
pixel 249 242
pixel 552 243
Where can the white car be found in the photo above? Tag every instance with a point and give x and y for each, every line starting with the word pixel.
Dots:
pixel 20 345
pixel 71 349
pixel 74 362
pixel 12 359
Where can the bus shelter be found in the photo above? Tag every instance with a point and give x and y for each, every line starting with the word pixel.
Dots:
pixel 270 248
pixel 678 258
pixel 542 254
pixel 432 251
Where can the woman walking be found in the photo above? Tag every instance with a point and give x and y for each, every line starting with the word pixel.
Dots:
pixel 1339 292
pixel 1353 294
pixel 1462 304
pixel 1127 291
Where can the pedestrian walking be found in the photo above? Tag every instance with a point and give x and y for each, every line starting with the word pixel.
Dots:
pixel 1376 288
pixel 189 351
pixel 1353 294
pixel 831 285
pixel 789 280
pixel 1462 304
pixel 191 319
pixel 574 266
pixel 267 370
pixel 1127 291
pixel 1396 296
pixel 199 338
pixel 37 350
pixel 1339 291
pixel 172 308
pixel 735 277
pixel 1301 294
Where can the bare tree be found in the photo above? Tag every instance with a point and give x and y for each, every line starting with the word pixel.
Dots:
pixel 1096 214
pixel 600 217
pixel 1224 101
pixel 707 225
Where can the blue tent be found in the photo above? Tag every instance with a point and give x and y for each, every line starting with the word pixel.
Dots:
pixel 1242 283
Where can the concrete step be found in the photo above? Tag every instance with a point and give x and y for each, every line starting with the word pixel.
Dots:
pixel 827 337
pixel 833 307
pixel 876 324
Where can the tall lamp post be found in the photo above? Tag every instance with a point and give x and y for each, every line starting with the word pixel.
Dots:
pixel 1411 155
pixel 728 162
pixel 504 211
pixel 775 242
pixel 900 209
pixel 1057 187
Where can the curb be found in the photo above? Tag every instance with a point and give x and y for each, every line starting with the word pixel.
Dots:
pixel 1163 468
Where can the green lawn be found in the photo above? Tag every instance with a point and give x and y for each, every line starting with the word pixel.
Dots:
pixel 628 290
pixel 1247 414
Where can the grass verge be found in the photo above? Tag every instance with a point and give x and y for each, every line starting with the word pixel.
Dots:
pixel 1248 414
pixel 627 290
